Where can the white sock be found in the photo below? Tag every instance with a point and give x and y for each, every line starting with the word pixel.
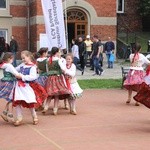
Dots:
pixel 33 112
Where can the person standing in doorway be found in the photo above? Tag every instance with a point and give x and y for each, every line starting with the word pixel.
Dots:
pixel 82 52
pixel 96 55
pixel 109 49
pixel 14 49
pixel 88 43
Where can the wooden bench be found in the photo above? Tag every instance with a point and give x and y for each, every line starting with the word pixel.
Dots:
pixel 125 71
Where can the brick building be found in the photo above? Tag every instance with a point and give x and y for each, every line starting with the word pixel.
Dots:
pixel 24 19
pixel 128 17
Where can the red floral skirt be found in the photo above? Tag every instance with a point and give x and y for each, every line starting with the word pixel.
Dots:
pixel 134 79
pixel 143 96
pixel 40 94
pixel 55 86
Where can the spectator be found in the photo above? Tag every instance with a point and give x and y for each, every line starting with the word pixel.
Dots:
pixel 14 48
pixel 88 43
pixel 82 53
pixel 2 45
pixel 97 49
pixel 75 53
pixel 109 49
pixel 7 47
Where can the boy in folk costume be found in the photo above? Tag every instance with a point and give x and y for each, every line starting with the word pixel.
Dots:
pixel 27 92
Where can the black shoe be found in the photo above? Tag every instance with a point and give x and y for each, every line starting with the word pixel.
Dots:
pixel 82 73
pixel 92 69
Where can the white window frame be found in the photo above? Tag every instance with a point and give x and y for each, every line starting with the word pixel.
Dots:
pixel 6 34
pixel 122 11
pixel 4 7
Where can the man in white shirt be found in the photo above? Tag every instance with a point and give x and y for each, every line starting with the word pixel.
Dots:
pixel 88 43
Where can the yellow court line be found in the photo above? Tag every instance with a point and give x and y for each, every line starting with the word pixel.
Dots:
pixel 51 141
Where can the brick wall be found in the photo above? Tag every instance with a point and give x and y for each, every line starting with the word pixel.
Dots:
pixel 104 32
pixel 18 13
pixel 20 34
pixel 104 8
pixel 130 20
pixel 35 31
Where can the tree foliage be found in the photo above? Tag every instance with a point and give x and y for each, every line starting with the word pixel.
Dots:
pixel 144 7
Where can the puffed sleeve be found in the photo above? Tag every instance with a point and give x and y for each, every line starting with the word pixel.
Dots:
pixel 146 61
pixel 32 76
pixel 72 71
pixel 61 64
pixel 10 68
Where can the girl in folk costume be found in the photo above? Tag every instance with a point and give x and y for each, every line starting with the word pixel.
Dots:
pixel 72 83
pixel 55 85
pixel 143 96
pixel 64 63
pixel 27 92
pixel 41 63
pixel 41 66
pixel 135 76
pixel 7 84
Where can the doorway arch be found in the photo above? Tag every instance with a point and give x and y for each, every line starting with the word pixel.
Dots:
pixel 77 24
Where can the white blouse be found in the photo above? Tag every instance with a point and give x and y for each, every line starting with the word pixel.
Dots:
pixel 10 68
pixel 138 64
pixel 71 72
pixel 75 51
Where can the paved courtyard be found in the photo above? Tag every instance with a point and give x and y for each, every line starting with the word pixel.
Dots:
pixel 103 122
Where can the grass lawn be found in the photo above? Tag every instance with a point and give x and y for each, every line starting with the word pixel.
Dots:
pixel 100 83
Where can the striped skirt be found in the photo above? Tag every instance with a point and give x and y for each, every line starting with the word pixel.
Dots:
pixel 6 90
pixel 55 86
pixel 42 80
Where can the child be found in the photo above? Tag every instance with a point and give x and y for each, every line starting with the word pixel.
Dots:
pixel 72 83
pixel 143 96
pixel 27 92
pixel 55 85
pixel 64 63
pixel 41 63
pixel 41 66
pixel 136 74
pixel 7 84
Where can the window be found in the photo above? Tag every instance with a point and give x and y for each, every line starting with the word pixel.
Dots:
pixel 120 6
pixel 3 33
pixel 2 3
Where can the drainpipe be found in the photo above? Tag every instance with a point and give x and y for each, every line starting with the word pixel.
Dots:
pixel 28 23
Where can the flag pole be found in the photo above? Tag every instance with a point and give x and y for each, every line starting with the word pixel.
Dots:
pixel 66 25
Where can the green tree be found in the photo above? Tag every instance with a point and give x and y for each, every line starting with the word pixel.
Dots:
pixel 144 7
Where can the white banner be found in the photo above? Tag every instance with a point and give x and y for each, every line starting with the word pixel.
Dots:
pixel 54 23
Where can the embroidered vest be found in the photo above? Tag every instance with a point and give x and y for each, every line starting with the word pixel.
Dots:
pixel 42 67
pixel 8 76
pixel 25 71
pixel 54 68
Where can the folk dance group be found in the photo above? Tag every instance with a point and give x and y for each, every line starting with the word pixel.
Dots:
pixel 34 84
pixel 138 78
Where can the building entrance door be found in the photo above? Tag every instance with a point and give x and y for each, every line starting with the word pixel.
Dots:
pixel 76 24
